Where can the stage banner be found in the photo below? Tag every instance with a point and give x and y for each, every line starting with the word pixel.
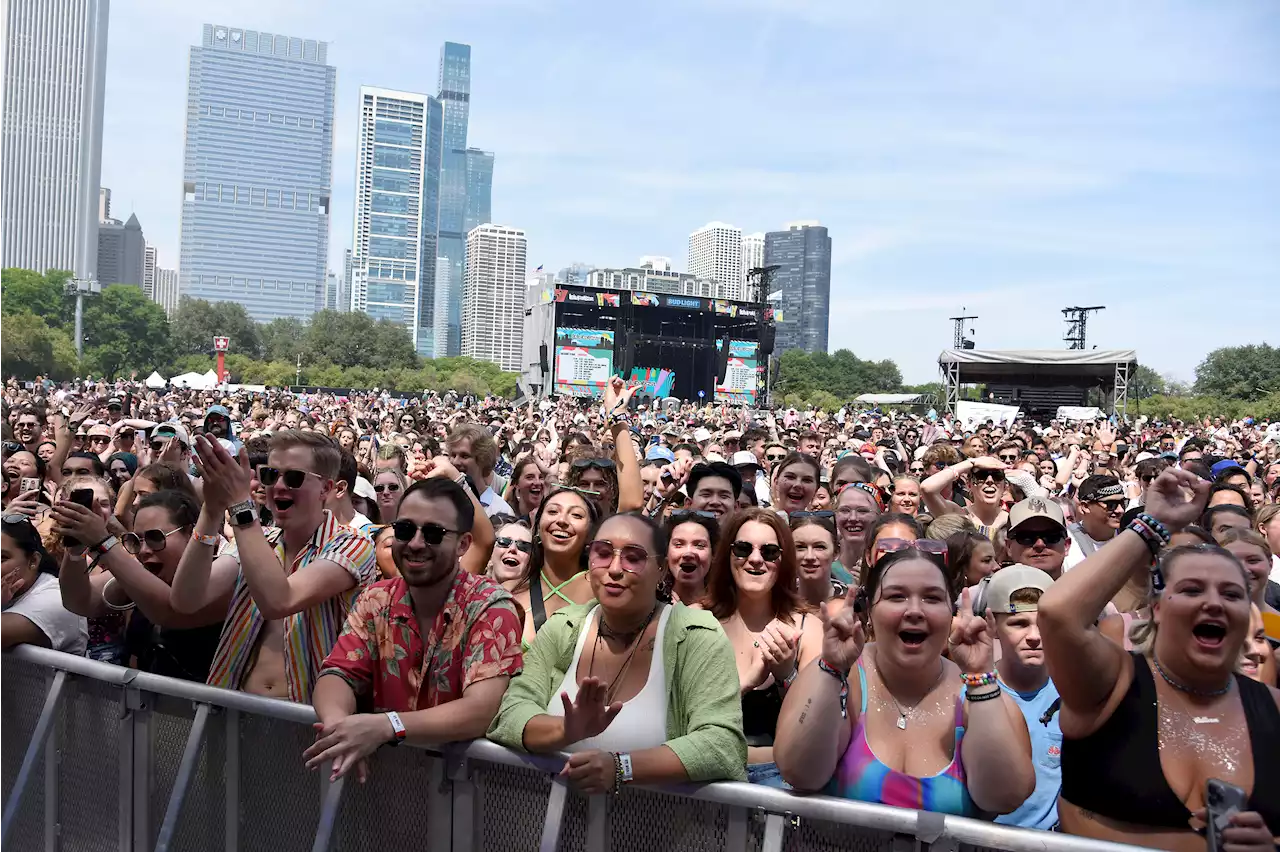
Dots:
pixel 975 413
pixel 1080 412
pixel 722 307
pixel 584 361
pixel 608 300
pixel 653 381
pixel 644 300
pixel 742 378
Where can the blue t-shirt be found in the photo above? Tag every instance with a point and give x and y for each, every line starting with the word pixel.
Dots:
pixel 1040 810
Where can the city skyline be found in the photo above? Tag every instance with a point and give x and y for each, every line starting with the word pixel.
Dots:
pixel 1010 170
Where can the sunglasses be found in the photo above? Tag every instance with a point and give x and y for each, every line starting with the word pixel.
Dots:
pixel 941 465
pixel 393 487
pixel 15 519
pixel 826 514
pixel 1009 458
pixel 632 558
pixel 15 447
pixel 294 479
pixel 1112 507
pixel 929 546
pixel 768 552
pixel 602 464
pixel 683 515
pixel 155 539
pixel 917 470
pixel 99 439
pixel 405 530
pixel 1028 538
pixel 774 456
pixel 987 475
pixel 522 546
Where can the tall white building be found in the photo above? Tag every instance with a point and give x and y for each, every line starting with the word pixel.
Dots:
pixel 55 64
pixel 715 252
pixel 166 290
pixel 493 296
pixel 149 271
pixel 752 258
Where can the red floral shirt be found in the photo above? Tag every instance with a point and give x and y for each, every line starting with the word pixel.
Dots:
pixel 476 636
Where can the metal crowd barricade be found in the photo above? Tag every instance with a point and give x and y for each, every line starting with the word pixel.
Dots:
pixel 98 757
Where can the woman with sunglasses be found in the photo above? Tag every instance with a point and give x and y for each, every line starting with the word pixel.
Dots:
pixel 692 537
pixel 985 477
pixel 636 690
pixel 857 507
pixel 794 483
pixel 895 722
pixel 33 611
pixel 814 534
pixel 512 547
pixel 751 591
pixel 1145 731
pixel 556 574
pixel 388 487
pixel 137 569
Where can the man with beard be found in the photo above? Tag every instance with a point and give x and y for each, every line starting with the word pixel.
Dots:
pixel 1101 505
pixel 217 424
pixel 290 588
pixel 464 629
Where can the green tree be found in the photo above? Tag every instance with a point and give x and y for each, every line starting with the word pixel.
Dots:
pixel 356 339
pixel 31 348
pixel 196 322
pixel 25 291
pixel 842 374
pixel 1145 382
pixel 124 331
pixel 283 339
pixel 1240 372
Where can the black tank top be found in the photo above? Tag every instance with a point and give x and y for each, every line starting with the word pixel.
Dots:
pixel 1116 772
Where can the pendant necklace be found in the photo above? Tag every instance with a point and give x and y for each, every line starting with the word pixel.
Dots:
pixel 905 715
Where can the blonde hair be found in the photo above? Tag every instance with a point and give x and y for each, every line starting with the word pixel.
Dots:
pixel 1142 633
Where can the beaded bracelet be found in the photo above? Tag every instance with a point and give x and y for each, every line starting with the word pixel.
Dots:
pixel 984 679
pixel 844 685
pixel 970 695
pixel 617 773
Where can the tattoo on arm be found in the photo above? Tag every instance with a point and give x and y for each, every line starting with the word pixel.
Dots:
pixel 805 712
pixel 652 644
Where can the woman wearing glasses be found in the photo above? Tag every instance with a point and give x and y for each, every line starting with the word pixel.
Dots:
pixel 985 478
pixel 512 546
pixel 388 487
pixel 857 508
pixel 636 690
pixel 751 590
pixel 33 610
pixel 137 570
pixel 888 723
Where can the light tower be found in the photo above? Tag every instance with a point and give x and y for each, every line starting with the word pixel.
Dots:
pixel 1077 319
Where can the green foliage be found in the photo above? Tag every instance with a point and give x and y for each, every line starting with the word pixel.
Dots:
pixel 124 331
pixel 1145 382
pixel 1240 372
pixel 1187 408
pixel 356 339
pixel 28 292
pixel 283 339
pixel 31 348
pixel 840 376
pixel 196 322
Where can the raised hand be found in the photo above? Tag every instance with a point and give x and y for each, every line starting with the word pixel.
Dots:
pixel 226 478
pixel 589 714
pixel 1177 498
pixel 843 636
pixel 971 643
pixel 779 646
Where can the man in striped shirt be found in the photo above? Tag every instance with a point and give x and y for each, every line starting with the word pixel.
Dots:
pixel 289 586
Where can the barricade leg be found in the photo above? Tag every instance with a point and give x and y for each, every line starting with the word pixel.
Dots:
pixel 231 778
pixel 738 828
pixel 466 805
pixel 775 828
pixel 195 740
pixel 555 815
pixel 328 814
pixel 52 776
pixel 44 727
pixel 598 839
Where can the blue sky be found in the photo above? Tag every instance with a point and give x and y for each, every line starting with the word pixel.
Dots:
pixel 1008 158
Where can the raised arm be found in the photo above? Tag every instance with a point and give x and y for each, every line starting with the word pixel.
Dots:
pixel 617 421
pixel 476 558
pixel 200 580
pixel 932 487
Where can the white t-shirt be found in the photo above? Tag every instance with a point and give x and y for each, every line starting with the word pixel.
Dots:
pixel 1075 554
pixel 42 606
pixel 1275 568
pixel 493 504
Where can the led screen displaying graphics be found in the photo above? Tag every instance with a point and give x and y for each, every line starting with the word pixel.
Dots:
pixel 584 361
pixel 742 374
pixel 653 381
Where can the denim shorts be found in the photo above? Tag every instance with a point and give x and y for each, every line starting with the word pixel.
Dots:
pixel 766 774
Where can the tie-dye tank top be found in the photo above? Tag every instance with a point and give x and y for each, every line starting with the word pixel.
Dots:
pixel 860 775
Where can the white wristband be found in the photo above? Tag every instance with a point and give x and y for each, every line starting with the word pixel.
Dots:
pixel 627 775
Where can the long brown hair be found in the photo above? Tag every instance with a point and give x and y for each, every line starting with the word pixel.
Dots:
pixel 721 599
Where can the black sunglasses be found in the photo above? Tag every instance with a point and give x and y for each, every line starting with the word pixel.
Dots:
pixel 522 546
pixel 405 529
pixel 393 487
pixel 1028 538
pixel 1008 457
pixel 768 552
pixel 293 478
pixel 14 446
pixel 819 513
pixel 602 464
pixel 774 456
pixel 984 475
pixel 99 439
pixel 155 539
pixel 681 515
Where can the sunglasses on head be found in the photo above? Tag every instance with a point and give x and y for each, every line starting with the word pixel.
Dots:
pixel 15 447
pixel 1028 538
pixel 602 464
pixel 293 478
pixel 405 530
pixel 632 558
pixel 393 487
pixel 768 552
pixel 155 539
pixel 15 519
pixel 522 546
pixel 927 546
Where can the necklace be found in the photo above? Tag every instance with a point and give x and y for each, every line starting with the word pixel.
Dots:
pixel 1190 690
pixel 626 637
pixel 614 685
pixel 905 715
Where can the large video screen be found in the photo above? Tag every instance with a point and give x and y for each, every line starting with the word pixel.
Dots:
pixel 584 361
pixel 741 378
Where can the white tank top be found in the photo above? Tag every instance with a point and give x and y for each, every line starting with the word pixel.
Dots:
pixel 642 723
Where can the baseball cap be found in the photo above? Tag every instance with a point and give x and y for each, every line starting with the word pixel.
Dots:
pixel 1225 468
pixel 115 402
pixel 1035 507
pixel 658 451
pixel 700 434
pixel 732 433
pixel 364 488
pixel 743 458
pixel 172 430
pixel 1143 456
pixel 1013 578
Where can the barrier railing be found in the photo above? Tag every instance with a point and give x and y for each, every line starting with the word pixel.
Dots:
pixel 98 757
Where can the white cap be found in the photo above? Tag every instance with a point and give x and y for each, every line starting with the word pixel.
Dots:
pixel 701 434
pixel 742 458
pixel 364 488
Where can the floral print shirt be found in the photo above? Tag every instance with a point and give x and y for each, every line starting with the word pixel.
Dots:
pixel 475 636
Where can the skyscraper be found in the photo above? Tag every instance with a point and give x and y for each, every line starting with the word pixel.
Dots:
pixel 122 253
pixel 346 280
pixel 752 258
pixel 149 272
pixel 393 261
pixel 493 296
pixel 715 252
pixel 55 63
pixel 803 255
pixel 466 191
pixel 257 171
pixel 166 292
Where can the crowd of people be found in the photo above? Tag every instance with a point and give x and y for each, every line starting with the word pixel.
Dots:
pixel 1055 625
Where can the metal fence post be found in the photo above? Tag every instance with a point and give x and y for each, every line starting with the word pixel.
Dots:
pixel 555 815
pixel 52 781
pixel 329 807
pixel 736 831
pixel 44 727
pixel 598 823
pixel 186 769
pixel 231 778
pixel 439 806
pixel 775 828
pixel 466 809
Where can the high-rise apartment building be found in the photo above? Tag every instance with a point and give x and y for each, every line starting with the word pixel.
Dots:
pixel 346 280
pixel 752 258
pixel 104 204
pixel 393 259
pixel 466 192
pixel 715 252
pixel 55 64
pixel 149 272
pixel 166 290
pixel 122 252
pixel 257 171
pixel 653 276
pixel 493 296
pixel 803 255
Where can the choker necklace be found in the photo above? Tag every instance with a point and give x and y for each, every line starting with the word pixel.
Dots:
pixel 1190 690
pixel 625 637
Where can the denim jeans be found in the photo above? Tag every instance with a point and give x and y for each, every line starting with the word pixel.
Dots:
pixel 766 774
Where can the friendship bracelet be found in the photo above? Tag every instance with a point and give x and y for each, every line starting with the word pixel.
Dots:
pixel 983 679
pixel 971 696
pixel 1157 527
pixel 1149 536
pixel 844 685
pixel 617 773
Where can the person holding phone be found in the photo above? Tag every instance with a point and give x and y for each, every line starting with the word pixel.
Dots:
pixel 1146 732
pixel 33 611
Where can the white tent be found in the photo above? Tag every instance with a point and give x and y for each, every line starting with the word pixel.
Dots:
pixel 894 398
pixel 194 380
pixel 155 381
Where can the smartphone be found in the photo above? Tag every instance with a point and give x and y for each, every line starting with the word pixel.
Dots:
pixel 1221 801
pixel 83 496
pixel 30 483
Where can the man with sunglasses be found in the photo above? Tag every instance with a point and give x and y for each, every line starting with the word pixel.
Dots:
pixel 1101 505
pixel 290 587
pixel 443 679
pixel 217 424
pixel 1037 535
